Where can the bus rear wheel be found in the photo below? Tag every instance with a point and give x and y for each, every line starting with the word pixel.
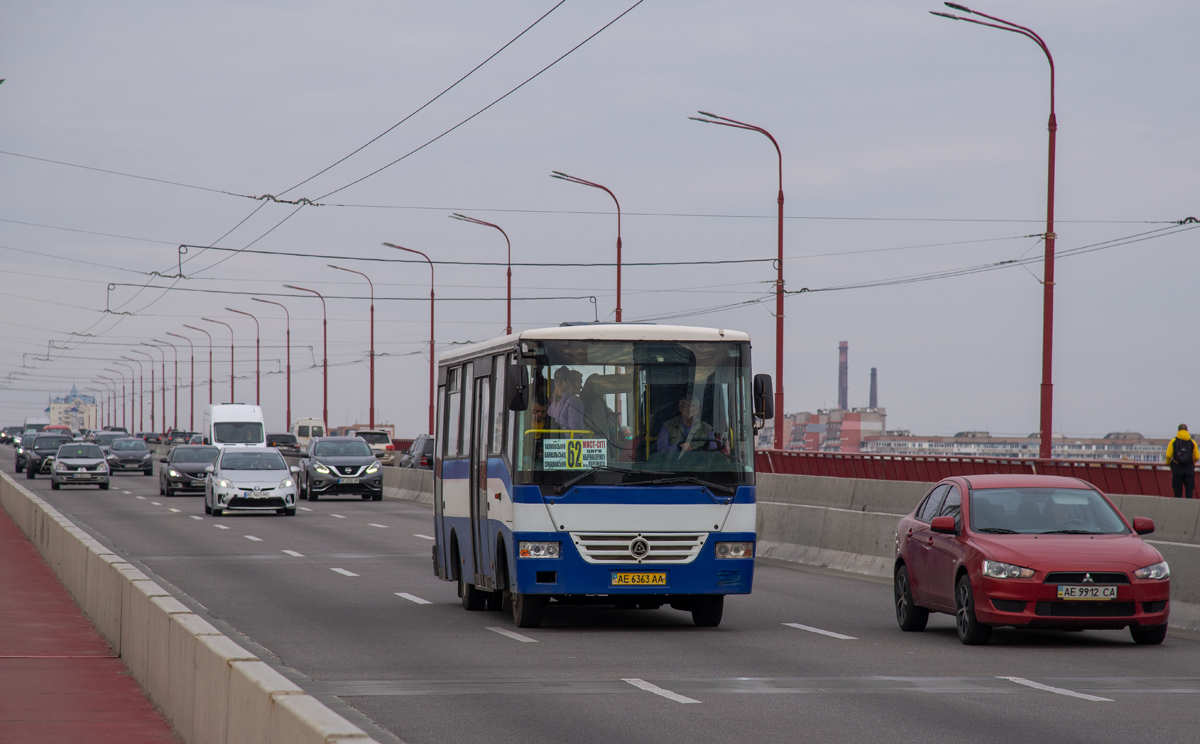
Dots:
pixel 707 610
pixel 527 610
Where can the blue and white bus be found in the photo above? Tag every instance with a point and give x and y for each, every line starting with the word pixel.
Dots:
pixel 598 464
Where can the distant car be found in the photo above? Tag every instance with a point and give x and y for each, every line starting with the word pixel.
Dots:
pixel 105 439
pixel 177 436
pixel 130 453
pixel 1029 551
pixel 153 438
pixel 285 443
pixel 340 466
pixel 250 479
pixel 39 456
pixel 77 464
pixel 381 444
pixel 419 454
pixel 121 429
pixel 183 469
pixel 6 436
pixel 196 438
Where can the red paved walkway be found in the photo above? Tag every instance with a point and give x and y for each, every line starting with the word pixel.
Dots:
pixel 59 680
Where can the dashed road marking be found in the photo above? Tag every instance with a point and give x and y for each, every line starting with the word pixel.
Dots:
pixel 294 553
pixel 372 524
pixel 510 634
pixel 129 493
pixel 252 537
pixel 220 526
pixel 642 684
pixel 339 516
pixel 412 598
pixel 343 572
pixel 423 537
pixel 143 498
pixel 198 519
pixel 303 508
pixel 1056 690
pixel 829 633
pixel 174 510
pixel 156 503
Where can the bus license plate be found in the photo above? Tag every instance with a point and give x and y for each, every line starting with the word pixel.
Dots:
pixel 1088 593
pixel 347 481
pixel 639 579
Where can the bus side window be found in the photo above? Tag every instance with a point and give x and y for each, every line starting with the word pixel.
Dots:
pixel 453 411
pixel 468 390
pixel 498 404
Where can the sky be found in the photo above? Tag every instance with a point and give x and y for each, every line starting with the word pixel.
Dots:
pixel 913 146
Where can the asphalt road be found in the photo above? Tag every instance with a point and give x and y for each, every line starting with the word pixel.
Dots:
pixel 342 600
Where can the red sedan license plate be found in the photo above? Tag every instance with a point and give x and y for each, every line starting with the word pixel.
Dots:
pixel 1087 593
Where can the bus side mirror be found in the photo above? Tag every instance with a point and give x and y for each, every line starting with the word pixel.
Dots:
pixel 516 388
pixel 764 397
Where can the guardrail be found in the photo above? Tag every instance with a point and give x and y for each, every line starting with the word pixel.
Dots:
pixel 1110 476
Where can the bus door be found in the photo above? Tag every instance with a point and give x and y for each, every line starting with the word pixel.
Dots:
pixel 481 543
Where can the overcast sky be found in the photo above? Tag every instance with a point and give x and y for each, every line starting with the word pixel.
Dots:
pixel 912 145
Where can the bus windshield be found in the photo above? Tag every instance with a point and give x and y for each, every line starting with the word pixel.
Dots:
pixel 635 411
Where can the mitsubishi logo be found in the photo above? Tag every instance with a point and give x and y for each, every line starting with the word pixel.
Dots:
pixel 639 548
pixel 1087 579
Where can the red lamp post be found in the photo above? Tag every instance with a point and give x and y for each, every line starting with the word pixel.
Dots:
pixel 210 374
pixel 287 424
pixel 232 397
pixel 324 352
pixel 141 407
pixel 192 387
pixel 257 355
pixel 779 410
pixel 508 327
pixel 175 418
pixel 112 398
pixel 164 385
pixel 1047 389
pixel 432 357
pixel 124 405
pixel 371 415
pixel 151 363
pixel 582 182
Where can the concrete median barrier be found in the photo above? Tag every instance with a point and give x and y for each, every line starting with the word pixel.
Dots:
pixel 210 689
pixel 408 484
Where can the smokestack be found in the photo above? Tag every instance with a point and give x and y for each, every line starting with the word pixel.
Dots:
pixel 843 376
pixel 874 391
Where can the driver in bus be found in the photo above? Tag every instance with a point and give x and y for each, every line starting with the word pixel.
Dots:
pixel 686 433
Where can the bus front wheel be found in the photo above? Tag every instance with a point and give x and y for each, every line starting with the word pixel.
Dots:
pixel 527 610
pixel 707 610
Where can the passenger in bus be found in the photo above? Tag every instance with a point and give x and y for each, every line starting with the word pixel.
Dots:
pixel 566 407
pixel 686 433
pixel 539 429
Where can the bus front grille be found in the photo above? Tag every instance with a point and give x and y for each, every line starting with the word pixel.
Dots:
pixel 619 547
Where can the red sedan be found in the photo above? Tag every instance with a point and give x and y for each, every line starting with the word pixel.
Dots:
pixel 1028 551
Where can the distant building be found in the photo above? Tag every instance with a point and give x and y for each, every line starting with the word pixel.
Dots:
pixel 74 410
pixel 1127 446
pixel 827 430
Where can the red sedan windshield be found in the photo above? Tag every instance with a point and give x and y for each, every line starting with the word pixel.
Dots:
pixel 1042 511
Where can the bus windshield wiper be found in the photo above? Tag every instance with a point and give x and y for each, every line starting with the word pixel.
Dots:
pixel 729 491
pixel 997 530
pixel 561 489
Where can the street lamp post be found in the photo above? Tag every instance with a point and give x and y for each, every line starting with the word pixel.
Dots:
pixel 164 385
pixel 287 424
pixel 110 383
pixel 210 374
pixel 192 387
pixel 1047 389
pixel 432 358
pixel 124 405
pixel 779 292
pixel 257 355
pixel 324 352
pixel 150 361
pixel 141 407
pixel 232 397
pixel 582 182
pixel 371 409
pixel 508 327
pixel 175 417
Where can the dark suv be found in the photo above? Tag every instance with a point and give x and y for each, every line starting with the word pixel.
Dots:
pixel 285 443
pixel 39 457
pixel 419 454
pixel 340 466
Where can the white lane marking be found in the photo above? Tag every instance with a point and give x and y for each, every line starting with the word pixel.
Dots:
pixel 642 684
pixel 412 598
pixel 372 524
pixel 339 516
pixel 1056 690
pixel 156 503
pixel 294 553
pixel 143 498
pixel 512 635
pixel 220 526
pixel 198 519
pixel 423 537
pixel 303 508
pixel 174 510
pixel 252 537
pixel 129 493
pixel 343 572
pixel 829 633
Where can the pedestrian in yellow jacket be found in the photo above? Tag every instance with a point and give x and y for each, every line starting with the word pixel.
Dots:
pixel 1182 455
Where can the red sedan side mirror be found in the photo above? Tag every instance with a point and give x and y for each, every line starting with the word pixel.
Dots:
pixel 1143 525
pixel 942 524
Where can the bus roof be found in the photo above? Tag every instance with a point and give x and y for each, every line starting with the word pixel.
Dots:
pixel 598 332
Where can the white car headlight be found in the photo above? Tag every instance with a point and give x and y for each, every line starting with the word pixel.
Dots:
pixel 61 467
pixel 1159 570
pixel 321 469
pixel 222 483
pixel 287 483
pixel 373 468
pixel 998 570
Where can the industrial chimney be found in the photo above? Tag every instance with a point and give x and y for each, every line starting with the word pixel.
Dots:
pixel 843 376
pixel 874 391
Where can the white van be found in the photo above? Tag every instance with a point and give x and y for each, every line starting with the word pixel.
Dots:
pixel 37 423
pixel 234 425
pixel 306 429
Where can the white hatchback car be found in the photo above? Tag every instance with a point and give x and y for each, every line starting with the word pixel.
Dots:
pixel 250 479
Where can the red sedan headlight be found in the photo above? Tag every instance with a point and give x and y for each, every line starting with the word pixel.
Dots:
pixel 998 570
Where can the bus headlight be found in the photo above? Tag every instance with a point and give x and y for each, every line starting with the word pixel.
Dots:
pixel 538 550
pixel 735 550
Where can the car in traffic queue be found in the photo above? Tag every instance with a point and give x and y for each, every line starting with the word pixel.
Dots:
pixel 183 469
pixel 176 436
pixel 250 479
pixel 129 454
pixel 340 466
pixel 39 455
pixel 104 439
pixel 284 442
pixel 7 434
pixel 380 442
pixel 196 438
pixel 419 454
pixel 1028 551
pixel 79 464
